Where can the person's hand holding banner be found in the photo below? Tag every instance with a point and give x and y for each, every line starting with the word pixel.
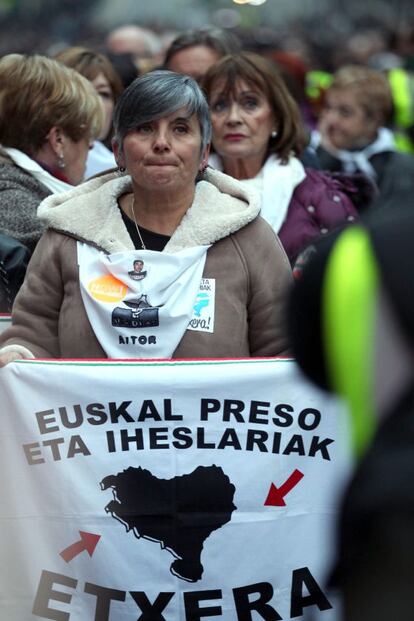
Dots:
pixel 9 356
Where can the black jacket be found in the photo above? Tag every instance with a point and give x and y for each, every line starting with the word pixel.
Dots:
pixel 14 258
pixel 395 177
pixel 375 537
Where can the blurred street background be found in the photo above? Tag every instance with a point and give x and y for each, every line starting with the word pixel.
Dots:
pixel 325 33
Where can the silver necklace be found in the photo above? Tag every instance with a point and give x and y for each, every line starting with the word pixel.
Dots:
pixel 136 224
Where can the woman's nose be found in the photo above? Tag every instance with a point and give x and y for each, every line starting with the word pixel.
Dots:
pixel 161 141
pixel 330 115
pixel 234 113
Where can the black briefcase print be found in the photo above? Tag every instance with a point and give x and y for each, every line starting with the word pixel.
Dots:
pixel 140 315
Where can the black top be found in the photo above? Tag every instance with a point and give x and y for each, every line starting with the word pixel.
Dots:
pixel 152 241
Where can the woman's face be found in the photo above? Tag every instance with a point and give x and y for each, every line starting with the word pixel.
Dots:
pixel 242 121
pixel 74 156
pixel 163 154
pixel 194 61
pixel 344 123
pixel 104 90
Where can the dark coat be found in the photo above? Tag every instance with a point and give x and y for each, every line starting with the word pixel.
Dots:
pixel 20 196
pixel 319 204
pixel 395 177
pixel 375 539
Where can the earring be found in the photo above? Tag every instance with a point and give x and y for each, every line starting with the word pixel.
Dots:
pixel 121 170
pixel 61 161
pixel 273 134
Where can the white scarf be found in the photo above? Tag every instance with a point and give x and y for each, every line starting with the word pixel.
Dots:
pixel 279 183
pixel 99 159
pixel 354 161
pixel 140 310
pixel 24 161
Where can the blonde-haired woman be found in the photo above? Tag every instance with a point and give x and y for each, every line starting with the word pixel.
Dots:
pixel 49 114
pixel 353 136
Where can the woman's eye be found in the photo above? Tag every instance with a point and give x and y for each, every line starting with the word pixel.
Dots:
pixel 219 106
pixel 144 129
pixel 250 103
pixel 105 95
pixel 181 129
pixel 345 112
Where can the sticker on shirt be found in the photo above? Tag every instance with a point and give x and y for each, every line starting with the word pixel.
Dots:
pixel 137 272
pixel 204 307
pixel 107 288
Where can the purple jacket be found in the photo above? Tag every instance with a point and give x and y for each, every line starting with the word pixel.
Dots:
pixel 319 204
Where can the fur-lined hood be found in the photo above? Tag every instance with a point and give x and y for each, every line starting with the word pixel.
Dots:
pixel 90 212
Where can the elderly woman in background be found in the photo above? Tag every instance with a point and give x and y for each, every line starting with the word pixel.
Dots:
pixel 165 260
pixel 257 138
pixel 49 115
pixel 352 136
pixel 98 69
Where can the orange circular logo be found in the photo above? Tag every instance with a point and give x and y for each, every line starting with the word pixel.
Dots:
pixel 107 289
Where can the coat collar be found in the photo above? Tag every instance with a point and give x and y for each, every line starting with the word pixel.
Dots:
pixel 90 212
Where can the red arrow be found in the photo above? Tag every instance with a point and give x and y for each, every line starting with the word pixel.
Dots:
pixel 88 542
pixel 275 497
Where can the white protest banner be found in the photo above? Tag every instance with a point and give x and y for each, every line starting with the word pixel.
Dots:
pixel 167 491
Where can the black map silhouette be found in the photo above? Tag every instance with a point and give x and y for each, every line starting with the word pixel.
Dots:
pixel 179 513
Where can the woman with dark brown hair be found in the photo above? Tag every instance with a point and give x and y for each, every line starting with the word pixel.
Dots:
pixel 194 51
pixel 258 138
pixel 98 69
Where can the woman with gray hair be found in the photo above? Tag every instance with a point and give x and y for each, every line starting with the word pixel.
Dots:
pixel 166 258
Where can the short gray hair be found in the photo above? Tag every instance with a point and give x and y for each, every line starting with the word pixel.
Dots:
pixel 157 94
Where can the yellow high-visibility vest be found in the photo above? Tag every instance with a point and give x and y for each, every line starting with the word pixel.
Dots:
pixel 402 88
pixel 350 294
pixel 317 82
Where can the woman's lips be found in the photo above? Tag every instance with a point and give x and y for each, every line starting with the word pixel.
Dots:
pixel 234 137
pixel 155 163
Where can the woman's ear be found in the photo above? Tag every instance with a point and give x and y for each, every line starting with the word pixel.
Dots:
pixel 55 138
pixel 117 151
pixel 53 150
pixel 204 158
pixel 374 120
